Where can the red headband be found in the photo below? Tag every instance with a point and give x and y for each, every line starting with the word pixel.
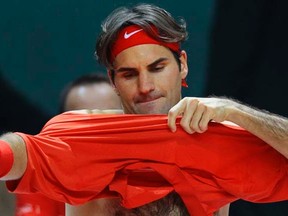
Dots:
pixel 134 35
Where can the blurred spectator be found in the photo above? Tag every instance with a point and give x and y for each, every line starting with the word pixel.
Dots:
pixel 91 91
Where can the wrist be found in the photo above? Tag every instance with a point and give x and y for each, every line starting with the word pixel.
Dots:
pixel 236 113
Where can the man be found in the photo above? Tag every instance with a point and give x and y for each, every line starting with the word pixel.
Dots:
pixel 133 62
pixel 141 49
pixel 90 91
pixel 153 67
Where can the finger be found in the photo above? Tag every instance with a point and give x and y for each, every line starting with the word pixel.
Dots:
pixel 175 111
pixel 195 121
pixel 189 112
pixel 206 118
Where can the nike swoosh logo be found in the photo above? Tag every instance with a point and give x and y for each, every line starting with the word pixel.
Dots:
pixel 128 35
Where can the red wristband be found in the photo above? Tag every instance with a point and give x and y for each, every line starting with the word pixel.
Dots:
pixel 6 158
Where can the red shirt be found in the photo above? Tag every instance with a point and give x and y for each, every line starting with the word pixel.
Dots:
pixel 38 205
pixel 80 157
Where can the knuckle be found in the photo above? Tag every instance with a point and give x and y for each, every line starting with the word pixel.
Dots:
pixel 172 112
pixel 193 101
pixel 203 107
pixel 185 99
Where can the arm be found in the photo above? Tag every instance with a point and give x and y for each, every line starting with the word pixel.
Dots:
pixel 271 128
pixel 223 211
pixel 198 112
pixel 18 148
pixel 19 153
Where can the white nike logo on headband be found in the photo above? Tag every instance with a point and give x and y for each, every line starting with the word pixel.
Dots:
pixel 128 35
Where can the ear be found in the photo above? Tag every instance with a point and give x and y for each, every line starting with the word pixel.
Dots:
pixel 184 65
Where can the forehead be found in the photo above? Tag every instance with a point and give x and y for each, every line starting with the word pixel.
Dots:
pixel 92 88
pixel 144 54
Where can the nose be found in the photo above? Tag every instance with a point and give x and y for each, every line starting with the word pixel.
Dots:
pixel 145 83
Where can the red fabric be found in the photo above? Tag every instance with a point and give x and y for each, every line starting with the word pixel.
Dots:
pixel 6 158
pixel 38 205
pixel 134 35
pixel 79 157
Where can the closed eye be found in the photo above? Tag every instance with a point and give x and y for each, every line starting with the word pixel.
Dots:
pixel 158 65
pixel 129 74
pixel 158 68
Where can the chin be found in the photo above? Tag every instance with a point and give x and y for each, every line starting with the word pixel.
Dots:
pixel 152 111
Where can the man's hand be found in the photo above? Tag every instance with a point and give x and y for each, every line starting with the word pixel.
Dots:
pixel 198 112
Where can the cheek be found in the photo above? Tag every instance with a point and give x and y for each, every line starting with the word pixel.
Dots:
pixel 173 78
pixel 125 89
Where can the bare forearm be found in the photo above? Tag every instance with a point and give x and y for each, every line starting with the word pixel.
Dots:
pixel 271 128
pixel 19 153
pixel 198 112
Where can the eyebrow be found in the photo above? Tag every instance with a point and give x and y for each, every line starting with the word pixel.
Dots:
pixel 152 65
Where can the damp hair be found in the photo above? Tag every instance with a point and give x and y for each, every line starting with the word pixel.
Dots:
pixel 145 16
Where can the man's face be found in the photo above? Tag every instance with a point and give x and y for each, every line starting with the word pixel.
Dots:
pixel 148 79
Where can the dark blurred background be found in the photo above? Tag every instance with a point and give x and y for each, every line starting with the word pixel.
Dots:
pixel 236 49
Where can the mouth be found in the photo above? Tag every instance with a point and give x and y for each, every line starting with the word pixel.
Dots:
pixel 151 105
pixel 147 100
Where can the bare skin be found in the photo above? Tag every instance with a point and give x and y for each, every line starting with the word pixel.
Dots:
pixel 148 79
pixel 92 96
pixel 271 128
pixel 18 147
